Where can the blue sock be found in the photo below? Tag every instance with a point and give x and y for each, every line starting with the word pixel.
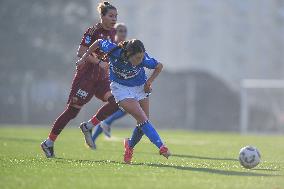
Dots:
pixel 151 133
pixel 97 132
pixel 136 137
pixel 116 115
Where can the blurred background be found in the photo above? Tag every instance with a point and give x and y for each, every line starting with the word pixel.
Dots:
pixel 223 60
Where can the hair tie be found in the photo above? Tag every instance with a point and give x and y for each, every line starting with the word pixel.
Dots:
pixel 106 3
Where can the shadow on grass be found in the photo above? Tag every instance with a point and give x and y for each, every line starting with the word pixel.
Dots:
pixel 15 139
pixel 209 170
pixel 196 157
pixel 264 169
pixel 178 167
pixel 202 157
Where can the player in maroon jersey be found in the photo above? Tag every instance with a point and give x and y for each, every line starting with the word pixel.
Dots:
pixel 90 80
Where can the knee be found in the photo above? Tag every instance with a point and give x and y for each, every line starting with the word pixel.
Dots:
pixel 74 102
pixel 112 101
pixel 140 118
pixel 107 96
pixel 72 111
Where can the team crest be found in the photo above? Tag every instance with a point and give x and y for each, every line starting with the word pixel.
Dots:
pixel 88 39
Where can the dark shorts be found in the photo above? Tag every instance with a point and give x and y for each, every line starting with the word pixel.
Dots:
pixel 85 86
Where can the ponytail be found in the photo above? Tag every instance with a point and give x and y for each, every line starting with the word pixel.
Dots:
pixel 104 7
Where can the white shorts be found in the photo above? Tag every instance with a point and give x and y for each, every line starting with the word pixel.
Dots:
pixel 121 92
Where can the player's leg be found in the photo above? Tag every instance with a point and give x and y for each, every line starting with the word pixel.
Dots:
pixel 97 131
pixel 102 92
pixel 137 132
pixel 106 110
pixel 116 115
pixel 81 92
pixel 68 114
pixel 106 124
pixel 104 127
pixel 145 104
pixel 133 107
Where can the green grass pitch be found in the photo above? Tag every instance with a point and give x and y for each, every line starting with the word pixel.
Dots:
pixel 200 160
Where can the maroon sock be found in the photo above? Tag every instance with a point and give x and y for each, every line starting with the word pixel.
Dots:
pixel 59 124
pixel 105 111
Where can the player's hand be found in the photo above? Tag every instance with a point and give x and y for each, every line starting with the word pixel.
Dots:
pixel 147 87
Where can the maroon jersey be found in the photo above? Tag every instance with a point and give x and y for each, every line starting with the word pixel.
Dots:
pixel 97 32
pixel 90 36
pixel 91 80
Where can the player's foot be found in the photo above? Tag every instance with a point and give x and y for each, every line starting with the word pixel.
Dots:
pixel 128 152
pixel 48 150
pixel 88 135
pixel 106 129
pixel 165 151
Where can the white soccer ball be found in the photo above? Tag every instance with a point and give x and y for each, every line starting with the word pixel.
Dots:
pixel 249 157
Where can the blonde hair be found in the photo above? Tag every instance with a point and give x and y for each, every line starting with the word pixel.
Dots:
pixel 117 25
pixel 104 7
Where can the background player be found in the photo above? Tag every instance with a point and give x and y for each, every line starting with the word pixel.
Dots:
pixel 130 87
pixel 121 32
pixel 90 79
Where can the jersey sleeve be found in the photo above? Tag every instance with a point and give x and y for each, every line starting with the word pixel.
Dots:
pixel 88 38
pixel 149 62
pixel 106 45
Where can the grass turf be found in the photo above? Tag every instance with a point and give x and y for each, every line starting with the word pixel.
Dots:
pixel 200 160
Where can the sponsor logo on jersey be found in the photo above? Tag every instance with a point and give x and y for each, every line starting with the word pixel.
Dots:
pixel 88 39
pixel 126 73
pixel 82 94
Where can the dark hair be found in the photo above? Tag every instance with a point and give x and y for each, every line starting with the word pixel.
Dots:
pixel 129 48
pixel 104 7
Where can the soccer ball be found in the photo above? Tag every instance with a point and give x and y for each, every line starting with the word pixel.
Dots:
pixel 249 157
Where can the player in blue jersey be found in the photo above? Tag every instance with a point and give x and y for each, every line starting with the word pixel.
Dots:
pixel 105 126
pixel 131 87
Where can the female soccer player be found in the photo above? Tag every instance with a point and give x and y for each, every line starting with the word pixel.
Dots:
pixel 130 87
pixel 121 32
pixel 90 79
pixel 105 125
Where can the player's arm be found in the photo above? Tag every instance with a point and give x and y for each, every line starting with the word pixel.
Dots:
pixel 87 39
pixel 87 54
pixel 153 76
pixel 104 45
pixel 151 63
pixel 155 73
pixel 81 50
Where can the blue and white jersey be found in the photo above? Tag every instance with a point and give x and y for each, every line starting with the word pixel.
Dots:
pixel 124 72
